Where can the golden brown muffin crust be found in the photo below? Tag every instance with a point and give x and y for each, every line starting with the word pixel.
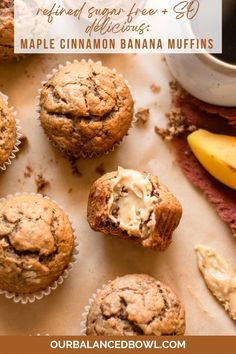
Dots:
pixel 36 243
pixel 6 29
pixel 86 108
pixel 7 132
pixel 167 209
pixel 136 304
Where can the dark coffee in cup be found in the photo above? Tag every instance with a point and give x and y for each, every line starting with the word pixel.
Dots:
pixel 229 32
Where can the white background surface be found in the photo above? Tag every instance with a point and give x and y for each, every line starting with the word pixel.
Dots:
pixel 102 258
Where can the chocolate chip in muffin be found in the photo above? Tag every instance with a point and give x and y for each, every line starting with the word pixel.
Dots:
pixel 36 243
pixel 133 305
pixel 86 109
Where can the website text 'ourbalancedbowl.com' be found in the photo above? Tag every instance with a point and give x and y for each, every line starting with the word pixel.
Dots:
pixel 118 344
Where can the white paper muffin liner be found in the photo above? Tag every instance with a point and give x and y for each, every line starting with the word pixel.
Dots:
pixel 15 149
pixel 30 298
pixel 83 155
pixel 83 323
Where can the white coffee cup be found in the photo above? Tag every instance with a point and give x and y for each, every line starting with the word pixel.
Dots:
pixel 203 75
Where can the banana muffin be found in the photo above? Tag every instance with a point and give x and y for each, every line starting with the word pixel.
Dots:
pixel 36 243
pixel 6 29
pixel 134 205
pixel 86 109
pixel 135 305
pixel 8 134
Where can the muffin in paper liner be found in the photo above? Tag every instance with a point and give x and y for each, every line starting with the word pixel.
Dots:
pixel 69 154
pixel 169 319
pixel 31 297
pixel 15 149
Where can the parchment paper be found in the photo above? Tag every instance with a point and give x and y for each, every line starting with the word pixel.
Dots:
pixel 103 258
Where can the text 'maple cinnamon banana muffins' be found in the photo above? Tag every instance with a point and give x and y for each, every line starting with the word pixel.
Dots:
pixel 36 243
pixel 8 132
pixel 134 205
pixel 86 108
pixel 135 304
pixel 6 29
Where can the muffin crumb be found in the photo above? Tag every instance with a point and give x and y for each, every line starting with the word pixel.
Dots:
pixel 176 125
pixel 176 90
pixel 28 172
pixel 142 115
pixel 155 88
pixel 74 166
pixel 41 183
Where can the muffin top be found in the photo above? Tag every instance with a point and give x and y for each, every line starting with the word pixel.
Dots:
pixel 6 14
pixel 7 132
pixel 36 243
pixel 136 304
pixel 6 28
pixel 86 107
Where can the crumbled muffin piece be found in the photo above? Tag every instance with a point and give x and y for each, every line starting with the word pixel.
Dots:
pixel 28 171
pixel 36 243
pixel 176 125
pixel 41 182
pixel 142 115
pixel 134 305
pixel 7 132
pixel 86 109
pixel 74 166
pixel 134 205
pixel 155 89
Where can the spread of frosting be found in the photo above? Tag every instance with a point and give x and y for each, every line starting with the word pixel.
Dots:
pixel 219 276
pixel 131 204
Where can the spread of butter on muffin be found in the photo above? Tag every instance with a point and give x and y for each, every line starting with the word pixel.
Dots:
pixel 132 201
pixel 220 277
pixel 134 205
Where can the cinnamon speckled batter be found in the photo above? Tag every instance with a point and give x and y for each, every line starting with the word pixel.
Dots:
pixel 86 108
pixel 36 243
pixel 133 305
